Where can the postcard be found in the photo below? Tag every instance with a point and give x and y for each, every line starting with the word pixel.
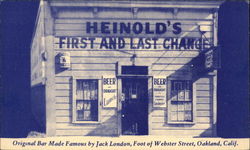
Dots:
pixel 125 74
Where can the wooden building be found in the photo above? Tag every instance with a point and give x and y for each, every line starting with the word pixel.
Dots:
pixel 111 68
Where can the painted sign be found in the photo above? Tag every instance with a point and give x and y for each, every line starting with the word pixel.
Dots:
pixel 159 91
pixel 131 43
pixel 64 60
pixel 133 27
pixel 209 59
pixel 162 34
pixel 212 58
pixel 109 91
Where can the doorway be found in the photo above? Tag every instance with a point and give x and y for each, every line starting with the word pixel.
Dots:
pixel 134 114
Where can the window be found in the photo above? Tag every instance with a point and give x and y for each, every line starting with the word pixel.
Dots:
pixel 85 100
pixel 181 102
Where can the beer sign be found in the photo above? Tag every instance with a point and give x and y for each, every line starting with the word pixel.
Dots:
pixel 109 91
pixel 159 91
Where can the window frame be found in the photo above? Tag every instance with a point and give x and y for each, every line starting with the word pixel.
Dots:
pixel 169 85
pixel 73 106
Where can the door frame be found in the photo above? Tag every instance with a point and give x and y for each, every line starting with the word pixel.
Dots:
pixel 119 105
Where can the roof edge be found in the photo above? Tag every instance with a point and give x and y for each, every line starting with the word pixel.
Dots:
pixel 140 4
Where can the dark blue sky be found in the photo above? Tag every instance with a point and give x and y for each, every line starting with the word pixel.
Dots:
pixel 17 24
pixel 233 77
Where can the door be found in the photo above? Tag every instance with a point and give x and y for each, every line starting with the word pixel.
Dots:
pixel 135 106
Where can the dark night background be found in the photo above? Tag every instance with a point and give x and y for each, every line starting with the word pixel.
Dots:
pixel 16 29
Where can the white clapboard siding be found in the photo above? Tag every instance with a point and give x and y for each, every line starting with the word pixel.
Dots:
pixel 68 126
pixel 202 21
pixel 89 72
pixel 92 66
pixel 191 28
pixel 106 122
pixel 189 14
pixel 91 62
pixel 203 100
pixel 63 100
pixel 203 86
pixel 203 81
pixel 203 93
pixel 199 113
pixel 68 119
pixel 63 112
pixel 63 86
pixel 74 27
pixel 159 112
pixel 140 54
pixel 158 119
pixel 170 67
pixel 179 60
pixel 87 13
pixel 128 13
pixel 118 14
pixel 68 112
pixel 154 66
pixel 77 27
pixel 63 80
pixel 192 33
pixel 203 106
pixel 77 13
pixel 93 132
pixel 203 119
pixel 63 93
pixel 168 34
pixel 203 113
pixel 182 14
pixel 164 126
pixel 64 106
pixel 164 119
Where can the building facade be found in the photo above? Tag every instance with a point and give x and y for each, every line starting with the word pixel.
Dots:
pixel 111 68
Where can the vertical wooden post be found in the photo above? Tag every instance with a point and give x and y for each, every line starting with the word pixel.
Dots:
pixel 49 71
pixel 215 42
pixel 150 104
pixel 119 105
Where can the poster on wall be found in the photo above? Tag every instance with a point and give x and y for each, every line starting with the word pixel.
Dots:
pixel 159 91
pixel 109 91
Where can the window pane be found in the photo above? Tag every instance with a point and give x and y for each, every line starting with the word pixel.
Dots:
pixel 86 110
pixel 180 95
pixel 80 115
pixel 173 116
pixel 174 95
pixel 79 105
pixel 187 95
pixel 174 107
pixel 86 100
pixel 86 90
pixel 180 106
pixel 180 116
pixel 87 115
pixel 188 116
pixel 181 101
pixel 87 105
pixel 188 106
